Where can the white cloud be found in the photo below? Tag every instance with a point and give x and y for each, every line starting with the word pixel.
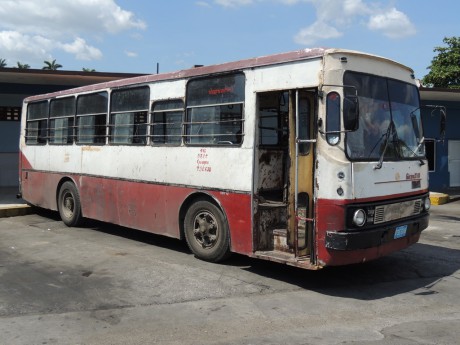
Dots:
pixel 334 17
pixel 40 27
pixel 291 2
pixel 393 24
pixel 130 54
pixel 16 47
pixel 330 14
pixel 82 50
pixel 233 3
pixel 334 14
pixel 316 32
pixel 202 4
pixel 57 18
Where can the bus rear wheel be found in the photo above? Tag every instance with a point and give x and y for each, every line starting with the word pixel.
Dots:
pixel 206 232
pixel 69 204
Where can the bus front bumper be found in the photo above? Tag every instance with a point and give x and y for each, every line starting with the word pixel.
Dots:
pixel 363 239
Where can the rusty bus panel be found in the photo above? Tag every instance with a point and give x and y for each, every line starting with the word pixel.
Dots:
pixel 270 170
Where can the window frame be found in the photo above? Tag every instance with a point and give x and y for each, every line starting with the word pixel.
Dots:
pixel 95 115
pixel 172 111
pixel 212 95
pixel 136 113
pixel 42 124
pixel 70 128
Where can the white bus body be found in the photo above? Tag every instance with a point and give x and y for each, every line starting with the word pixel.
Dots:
pixel 262 165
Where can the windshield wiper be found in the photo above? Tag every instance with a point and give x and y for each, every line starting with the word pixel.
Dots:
pixel 391 129
pixel 414 152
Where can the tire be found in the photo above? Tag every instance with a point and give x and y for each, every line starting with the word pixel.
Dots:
pixel 69 204
pixel 206 232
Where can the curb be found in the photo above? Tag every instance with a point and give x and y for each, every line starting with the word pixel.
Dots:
pixel 438 198
pixel 15 210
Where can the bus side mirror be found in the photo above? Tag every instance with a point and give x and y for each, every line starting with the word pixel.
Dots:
pixel 350 113
pixel 442 119
pixel 442 131
pixel 415 125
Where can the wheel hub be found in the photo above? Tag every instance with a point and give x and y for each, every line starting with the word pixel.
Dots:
pixel 205 229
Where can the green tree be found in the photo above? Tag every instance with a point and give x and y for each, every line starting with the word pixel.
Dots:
pixel 88 69
pixel 445 67
pixel 22 65
pixel 51 65
pixel 2 63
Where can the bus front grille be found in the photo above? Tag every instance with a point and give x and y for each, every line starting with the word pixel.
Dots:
pixel 389 212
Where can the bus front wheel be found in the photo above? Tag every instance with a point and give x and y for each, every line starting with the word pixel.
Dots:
pixel 69 204
pixel 206 232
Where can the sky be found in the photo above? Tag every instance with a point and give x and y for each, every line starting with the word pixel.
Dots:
pixel 133 36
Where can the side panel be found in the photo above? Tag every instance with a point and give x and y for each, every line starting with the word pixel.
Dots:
pixel 139 205
pixel 302 74
pixel 224 168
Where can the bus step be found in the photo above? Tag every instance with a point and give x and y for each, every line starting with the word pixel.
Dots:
pixel 267 204
pixel 285 258
pixel 280 240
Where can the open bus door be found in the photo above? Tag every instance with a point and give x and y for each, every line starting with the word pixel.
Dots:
pixel 284 173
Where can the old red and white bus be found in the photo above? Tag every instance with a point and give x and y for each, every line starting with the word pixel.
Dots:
pixel 309 158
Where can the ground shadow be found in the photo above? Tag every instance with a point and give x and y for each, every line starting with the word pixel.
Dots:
pixel 416 269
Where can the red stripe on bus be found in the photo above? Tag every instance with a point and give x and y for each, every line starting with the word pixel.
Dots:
pixel 330 215
pixel 150 207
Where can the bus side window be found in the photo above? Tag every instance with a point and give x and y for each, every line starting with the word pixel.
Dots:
pixel 333 118
pixel 37 119
pixel 128 115
pixel 166 127
pixel 215 108
pixel 92 118
pixel 62 112
pixel 304 122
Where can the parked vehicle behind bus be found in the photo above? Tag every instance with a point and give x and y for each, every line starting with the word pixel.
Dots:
pixel 309 158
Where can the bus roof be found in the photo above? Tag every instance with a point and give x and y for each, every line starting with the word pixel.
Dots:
pixel 304 54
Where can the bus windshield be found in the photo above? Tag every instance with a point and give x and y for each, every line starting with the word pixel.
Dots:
pixel 389 119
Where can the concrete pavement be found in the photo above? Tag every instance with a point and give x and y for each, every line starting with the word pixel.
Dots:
pixel 10 206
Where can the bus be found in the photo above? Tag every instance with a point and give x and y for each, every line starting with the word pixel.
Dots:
pixel 310 158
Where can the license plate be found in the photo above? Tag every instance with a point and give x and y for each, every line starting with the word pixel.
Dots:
pixel 400 231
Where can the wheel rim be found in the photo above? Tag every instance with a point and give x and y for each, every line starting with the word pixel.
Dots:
pixel 68 204
pixel 205 229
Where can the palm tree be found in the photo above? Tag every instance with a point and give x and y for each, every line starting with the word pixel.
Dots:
pixel 51 65
pixel 2 63
pixel 23 65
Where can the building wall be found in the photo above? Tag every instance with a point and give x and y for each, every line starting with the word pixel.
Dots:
pixel 9 139
pixel 440 177
pixel 9 148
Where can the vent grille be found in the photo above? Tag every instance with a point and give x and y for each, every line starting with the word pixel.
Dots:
pixel 389 212
pixel 417 207
pixel 379 214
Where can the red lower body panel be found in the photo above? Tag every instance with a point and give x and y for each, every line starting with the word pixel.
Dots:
pixel 140 205
pixel 330 215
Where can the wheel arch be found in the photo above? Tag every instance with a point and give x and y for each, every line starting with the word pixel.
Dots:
pixel 191 199
pixel 58 188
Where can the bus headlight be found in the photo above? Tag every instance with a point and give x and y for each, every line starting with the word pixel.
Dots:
pixel 359 217
pixel 427 204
